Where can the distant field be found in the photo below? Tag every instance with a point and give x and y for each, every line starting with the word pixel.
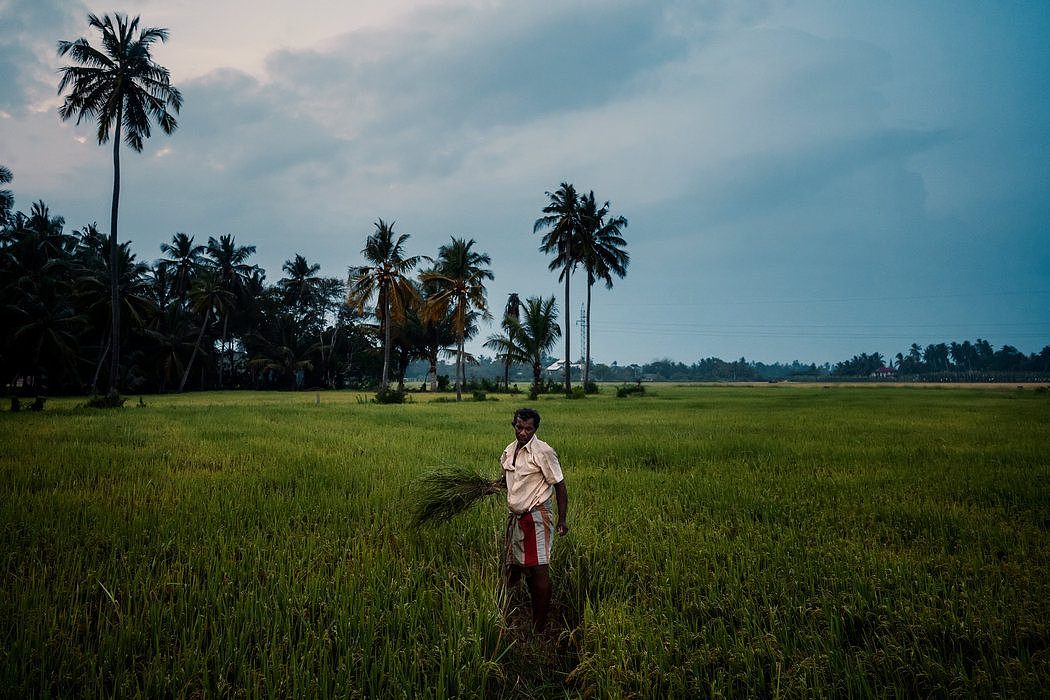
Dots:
pixel 735 540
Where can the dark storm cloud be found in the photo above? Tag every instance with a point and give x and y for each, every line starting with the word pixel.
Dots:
pixel 772 182
pixel 495 65
pixel 424 94
pixel 235 125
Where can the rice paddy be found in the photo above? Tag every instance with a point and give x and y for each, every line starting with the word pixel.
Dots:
pixel 730 541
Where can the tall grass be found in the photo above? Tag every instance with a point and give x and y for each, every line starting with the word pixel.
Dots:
pixel 735 541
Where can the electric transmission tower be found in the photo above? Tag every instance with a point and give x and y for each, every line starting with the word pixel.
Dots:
pixel 582 323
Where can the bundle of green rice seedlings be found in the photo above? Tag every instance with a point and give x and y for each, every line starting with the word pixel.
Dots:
pixel 445 492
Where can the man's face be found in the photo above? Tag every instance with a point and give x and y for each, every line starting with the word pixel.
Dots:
pixel 524 429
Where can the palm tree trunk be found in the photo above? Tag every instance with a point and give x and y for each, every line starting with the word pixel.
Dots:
pixel 98 366
pixel 537 381
pixel 568 363
pixel 324 367
pixel 114 281
pixel 229 353
pixel 330 371
pixel 225 325
pixel 402 368
pixel 193 355
pixel 434 372
pixel 459 368
pixel 349 357
pixel 386 342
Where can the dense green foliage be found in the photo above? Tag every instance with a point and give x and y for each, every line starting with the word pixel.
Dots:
pixel 742 541
pixel 528 337
pixel 457 292
pixel 965 361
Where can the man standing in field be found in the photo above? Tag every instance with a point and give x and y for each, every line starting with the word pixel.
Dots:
pixel 532 474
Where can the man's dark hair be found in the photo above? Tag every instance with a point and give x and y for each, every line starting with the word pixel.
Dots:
pixel 527 414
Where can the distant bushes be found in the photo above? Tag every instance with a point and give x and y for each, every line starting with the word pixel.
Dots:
pixel 110 400
pixel 37 405
pixel 630 390
pixel 390 395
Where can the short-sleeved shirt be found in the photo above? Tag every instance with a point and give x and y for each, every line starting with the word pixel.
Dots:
pixel 531 475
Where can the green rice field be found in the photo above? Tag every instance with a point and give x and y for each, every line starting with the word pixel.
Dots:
pixel 770 541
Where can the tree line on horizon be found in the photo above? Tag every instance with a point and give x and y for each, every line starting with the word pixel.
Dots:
pixel 937 362
pixel 203 316
pixel 956 361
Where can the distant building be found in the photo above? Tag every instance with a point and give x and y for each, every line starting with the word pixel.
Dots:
pixel 558 368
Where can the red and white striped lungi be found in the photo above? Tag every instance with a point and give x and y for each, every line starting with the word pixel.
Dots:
pixel 530 535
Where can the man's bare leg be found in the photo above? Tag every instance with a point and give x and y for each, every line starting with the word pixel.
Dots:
pixel 540 592
pixel 513 574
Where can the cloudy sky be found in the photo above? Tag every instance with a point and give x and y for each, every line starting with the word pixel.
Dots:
pixel 803 180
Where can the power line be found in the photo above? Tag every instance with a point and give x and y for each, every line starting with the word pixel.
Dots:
pixel 831 300
pixel 672 325
pixel 826 332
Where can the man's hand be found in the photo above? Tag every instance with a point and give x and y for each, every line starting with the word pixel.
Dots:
pixel 562 496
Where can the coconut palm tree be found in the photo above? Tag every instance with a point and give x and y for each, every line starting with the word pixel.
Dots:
pixel 38 243
pixel 93 286
pixel 184 259
pixel 385 278
pixel 505 348
pixel 230 262
pixel 48 329
pixel 287 363
pixel 90 260
pixel 207 296
pixel 91 243
pixel 459 278
pixel 601 253
pixel 433 331
pixel 561 218
pixel 124 89
pixel 511 312
pixel 302 286
pixel 411 336
pixel 936 357
pixel 161 288
pixel 302 297
pixel 502 342
pixel 42 325
pixel 328 295
pixel 171 338
pixel 534 335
